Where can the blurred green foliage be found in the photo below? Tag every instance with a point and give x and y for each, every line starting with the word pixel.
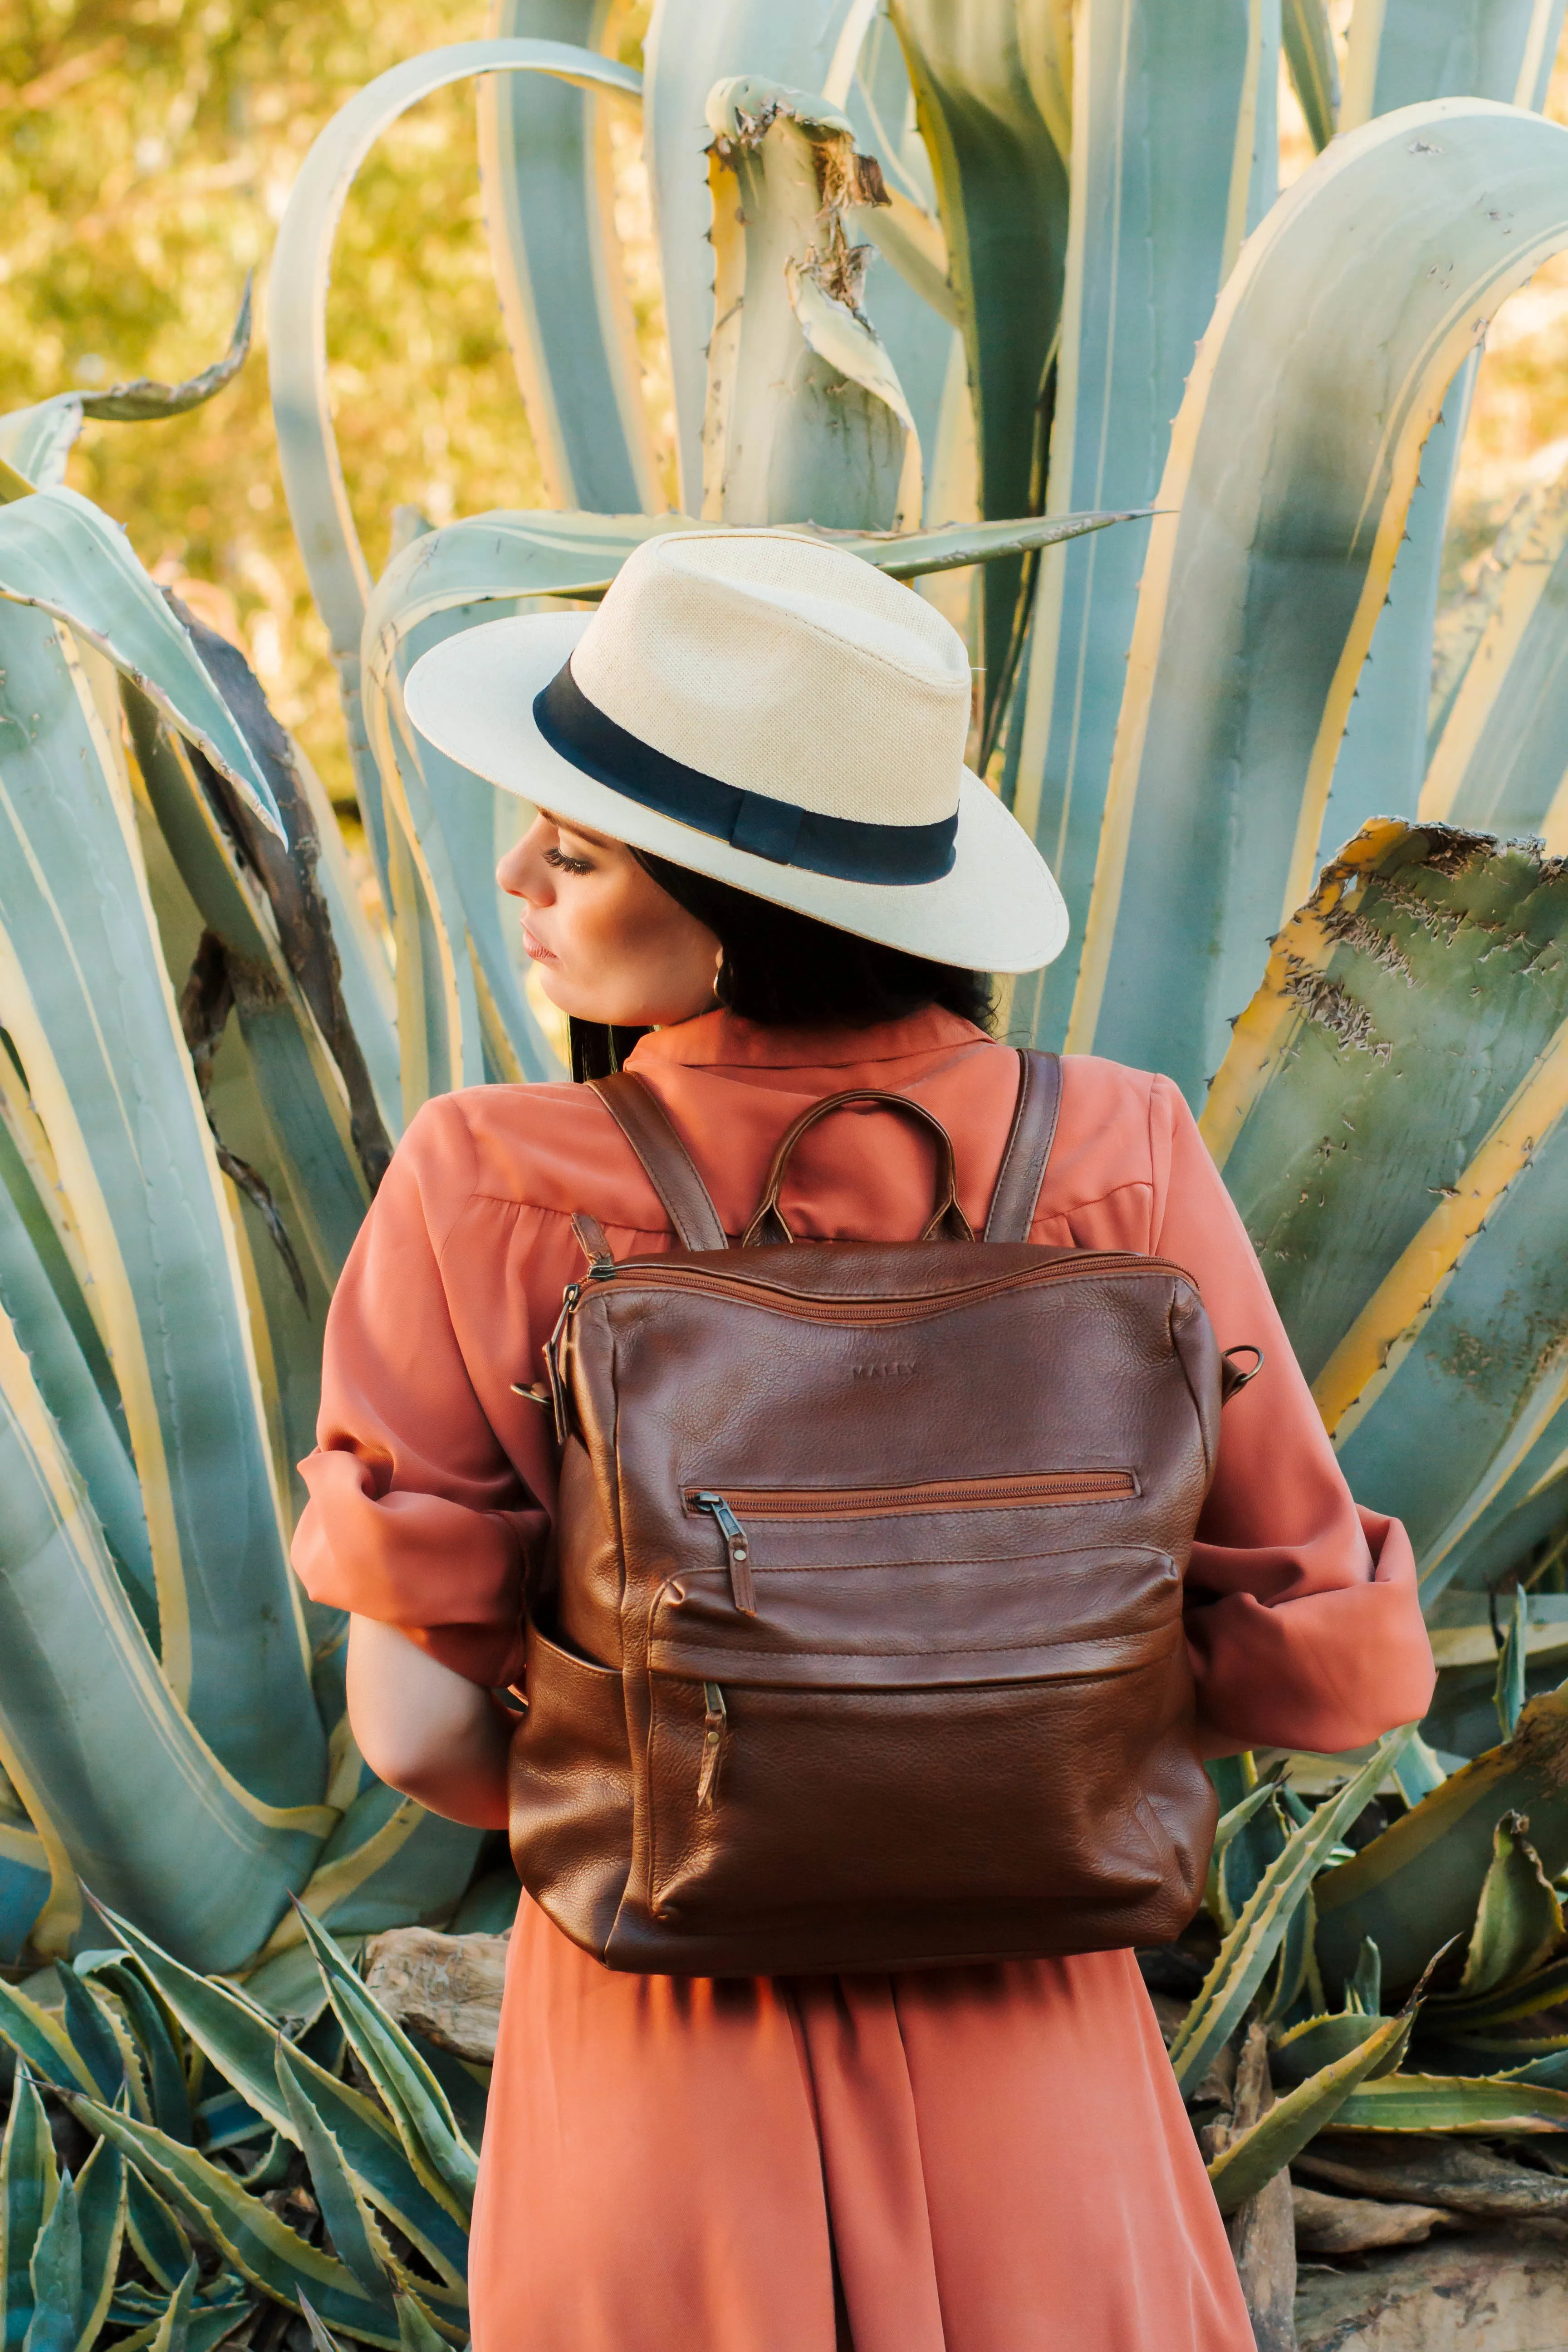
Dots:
pixel 147 148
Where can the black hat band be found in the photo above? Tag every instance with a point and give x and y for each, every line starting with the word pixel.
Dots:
pixel 777 830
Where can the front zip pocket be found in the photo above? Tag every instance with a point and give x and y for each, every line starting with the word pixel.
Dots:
pixel 802 1507
pixel 1029 1489
pixel 853 1687
pixel 795 1763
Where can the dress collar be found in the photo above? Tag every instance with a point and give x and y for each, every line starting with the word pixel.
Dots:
pixel 722 1040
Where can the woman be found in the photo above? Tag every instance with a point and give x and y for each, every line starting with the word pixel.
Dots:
pixel 763 851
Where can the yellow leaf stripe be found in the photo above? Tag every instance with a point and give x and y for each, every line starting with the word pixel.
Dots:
pixel 1392 1321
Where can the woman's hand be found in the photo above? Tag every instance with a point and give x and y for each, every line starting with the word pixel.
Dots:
pixel 425 1730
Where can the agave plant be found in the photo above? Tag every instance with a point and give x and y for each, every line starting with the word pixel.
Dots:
pixel 172 1713
pixel 181 1186
pixel 228 2161
pixel 932 280
pixel 1189 712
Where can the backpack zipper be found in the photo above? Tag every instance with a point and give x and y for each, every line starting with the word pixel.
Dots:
pixel 756 1290
pixel 715 1724
pixel 737 1550
pixel 557 1386
pixel 882 1502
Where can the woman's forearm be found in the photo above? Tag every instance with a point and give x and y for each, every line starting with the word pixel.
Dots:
pixel 423 1729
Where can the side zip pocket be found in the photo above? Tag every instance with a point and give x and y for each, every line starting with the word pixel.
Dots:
pixel 715 1725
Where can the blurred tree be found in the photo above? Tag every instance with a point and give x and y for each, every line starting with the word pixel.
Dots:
pixel 146 151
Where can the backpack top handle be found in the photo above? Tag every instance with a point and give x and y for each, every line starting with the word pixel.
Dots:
pixel 670 1169
pixel 946 1217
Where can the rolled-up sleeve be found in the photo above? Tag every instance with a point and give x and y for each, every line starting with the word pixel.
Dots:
pixel 417 1515
pixel 1304 1621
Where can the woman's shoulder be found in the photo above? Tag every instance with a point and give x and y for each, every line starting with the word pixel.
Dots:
pixel 540 1145
pixel 1115 1097
pixel 1115 1132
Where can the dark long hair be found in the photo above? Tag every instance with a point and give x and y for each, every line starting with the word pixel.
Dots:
pixel 787 971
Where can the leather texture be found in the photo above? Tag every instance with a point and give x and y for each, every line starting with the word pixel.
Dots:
pixel 861 1645
pixel 644 1121
pixel 1028 1149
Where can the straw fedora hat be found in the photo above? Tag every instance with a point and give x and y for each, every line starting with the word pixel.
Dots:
pixel 773 711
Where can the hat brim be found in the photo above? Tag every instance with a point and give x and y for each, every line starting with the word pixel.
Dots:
pixel 997 909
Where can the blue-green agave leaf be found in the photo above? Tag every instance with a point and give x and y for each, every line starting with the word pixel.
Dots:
pixel 1168 98
pixel 55 2277
pixel 143 401
pixel 38 2037
pixel 1257 1836
pixel 691 45
pixel 1508 1695
pixel 1308 40
pixel 37 441
pixel 1001 181
pixel 321 2338
pixel 1418 1884
pixel 86 1003
pixel 29 2184
pixel 1363 1994
pixel 1317 2041
pixel 262 2248
pixel 225 2120
pixel 1519 1920
pixel 1253 2157
pixel 415 2331
pixel 59 553
pixel 157 2235
pixel 90 2033
pixel 100 2212
pixel 349 2222
pixel 168 2087
pixel 270 2169
pixel 1389 1119
pixel 420 2107
pixel 233 2032
pixel 240 2040
pixel 549 207
pixel 1489 2106
pixel 173 2329
pixel 1406 50
pixel 1286 541
pixel 1246 1953
pixel 1400 54
pixel 1418 1773
pixel 297 341
pixel 64 1371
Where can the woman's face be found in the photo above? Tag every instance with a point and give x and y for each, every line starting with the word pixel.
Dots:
pixel 610 945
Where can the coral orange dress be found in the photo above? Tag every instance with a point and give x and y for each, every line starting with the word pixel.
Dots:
pixel 991 2160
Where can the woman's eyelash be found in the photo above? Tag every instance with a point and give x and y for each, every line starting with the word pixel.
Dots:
pixel 567 864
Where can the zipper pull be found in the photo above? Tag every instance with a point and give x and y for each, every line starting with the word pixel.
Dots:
pixel 569 1298
pixel 737 1551
pixel 715 1724
pixel 589 1237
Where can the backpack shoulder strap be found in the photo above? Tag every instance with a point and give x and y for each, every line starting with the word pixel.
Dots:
pixel 1028 1150
pixel 667 1163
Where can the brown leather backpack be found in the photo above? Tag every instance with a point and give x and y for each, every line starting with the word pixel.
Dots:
pixel 861 1644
